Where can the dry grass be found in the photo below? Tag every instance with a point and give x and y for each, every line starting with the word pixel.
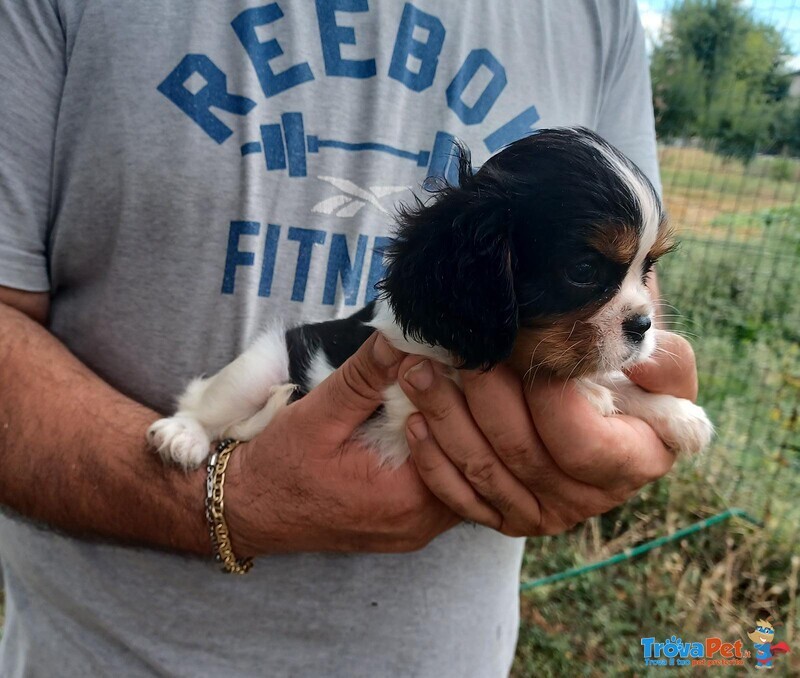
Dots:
pixel 700 187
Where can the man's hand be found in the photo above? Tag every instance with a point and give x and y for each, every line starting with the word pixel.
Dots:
pixel 535 461
pixel 305 485
pixel 673 370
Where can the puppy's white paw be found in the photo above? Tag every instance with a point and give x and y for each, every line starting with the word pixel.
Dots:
pixel 600 397
pixel 684 426
pixel 181 440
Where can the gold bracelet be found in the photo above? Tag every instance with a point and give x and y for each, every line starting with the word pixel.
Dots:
pixel 215 506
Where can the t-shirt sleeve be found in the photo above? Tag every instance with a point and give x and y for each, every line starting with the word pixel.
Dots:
pixel 32 54
pixel 626 112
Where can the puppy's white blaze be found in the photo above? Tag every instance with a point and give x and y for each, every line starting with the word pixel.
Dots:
pixel 643 194
pixel 633 297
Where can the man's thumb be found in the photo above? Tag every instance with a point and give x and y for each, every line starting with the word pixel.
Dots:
pixel 353 392
pixel 671 369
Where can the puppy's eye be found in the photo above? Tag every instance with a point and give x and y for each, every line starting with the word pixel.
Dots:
pixel 647 267
pixel 583 271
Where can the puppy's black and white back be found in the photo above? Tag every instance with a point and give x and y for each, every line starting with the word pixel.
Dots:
pixel 539 259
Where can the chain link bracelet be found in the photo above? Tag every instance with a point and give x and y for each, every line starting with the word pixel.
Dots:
pixel 215 507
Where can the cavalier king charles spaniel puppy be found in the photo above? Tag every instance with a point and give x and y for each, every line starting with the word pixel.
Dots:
pixel 538 259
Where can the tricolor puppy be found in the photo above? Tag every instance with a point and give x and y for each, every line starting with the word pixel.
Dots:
pixel 538 259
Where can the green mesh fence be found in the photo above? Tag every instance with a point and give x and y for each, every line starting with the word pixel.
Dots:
pixel 729 153
pixel 732 187
pixel 714 545
pixel 735 289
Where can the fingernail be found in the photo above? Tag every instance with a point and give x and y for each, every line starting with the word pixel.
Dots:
pixel 420 376
pixel 383 353
pixel 418 427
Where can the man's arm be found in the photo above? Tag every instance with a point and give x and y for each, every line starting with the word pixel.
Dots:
pixel 73 450
pixel 73 455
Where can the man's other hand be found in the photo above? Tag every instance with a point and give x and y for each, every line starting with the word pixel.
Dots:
pixel 536 460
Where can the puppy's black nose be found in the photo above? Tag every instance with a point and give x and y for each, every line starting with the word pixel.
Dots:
pixel 635 327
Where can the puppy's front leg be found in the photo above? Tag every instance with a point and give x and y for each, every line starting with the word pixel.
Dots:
pixel 599 396
pixel 682 425
pixel 239 401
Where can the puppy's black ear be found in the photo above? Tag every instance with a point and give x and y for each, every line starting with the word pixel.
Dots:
pixel 449 277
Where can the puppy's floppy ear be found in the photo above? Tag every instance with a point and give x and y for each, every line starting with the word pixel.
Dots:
pixel 449 277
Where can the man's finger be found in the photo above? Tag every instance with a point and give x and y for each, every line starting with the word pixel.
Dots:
pixel 352 393
pixel 671 369
pixel 453 427
pixel 497 403
pixel 443 479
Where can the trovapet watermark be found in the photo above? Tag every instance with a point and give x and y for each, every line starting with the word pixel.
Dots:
pixel 674 651
pixel 713 651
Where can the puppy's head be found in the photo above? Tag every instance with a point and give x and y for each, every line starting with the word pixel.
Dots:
pixel 539 257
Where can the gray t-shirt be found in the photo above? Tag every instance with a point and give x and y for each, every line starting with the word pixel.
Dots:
pixel 176 174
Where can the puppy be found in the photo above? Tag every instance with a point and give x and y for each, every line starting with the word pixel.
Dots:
pixel 538 259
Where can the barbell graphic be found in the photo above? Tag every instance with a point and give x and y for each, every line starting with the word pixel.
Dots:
pixel 286 146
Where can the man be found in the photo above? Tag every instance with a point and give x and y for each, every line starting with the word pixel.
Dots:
pixel 173 176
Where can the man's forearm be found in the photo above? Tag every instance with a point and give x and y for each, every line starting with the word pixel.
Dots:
pixel 73 453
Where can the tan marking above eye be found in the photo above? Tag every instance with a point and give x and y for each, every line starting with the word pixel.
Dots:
pixel 665 241
pixel 616 242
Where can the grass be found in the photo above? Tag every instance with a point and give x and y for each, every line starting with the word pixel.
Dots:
pixel 735 286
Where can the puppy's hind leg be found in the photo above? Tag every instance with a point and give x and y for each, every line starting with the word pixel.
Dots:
pixel 209 407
